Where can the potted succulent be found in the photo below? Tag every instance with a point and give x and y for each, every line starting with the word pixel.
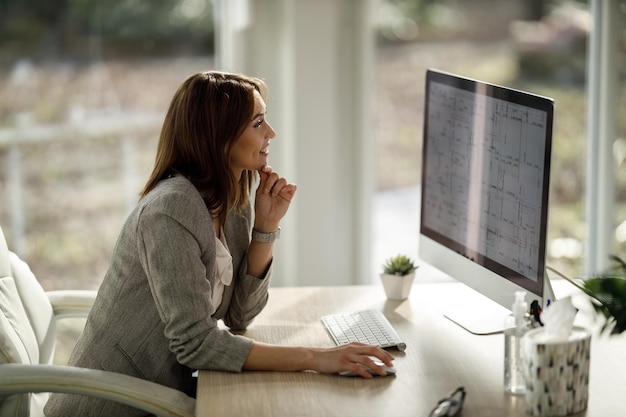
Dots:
pixel 397 277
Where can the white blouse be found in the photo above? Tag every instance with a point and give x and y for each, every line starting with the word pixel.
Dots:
pixel 223 270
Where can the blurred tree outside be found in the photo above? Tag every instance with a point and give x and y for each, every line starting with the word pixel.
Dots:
pixel 83 29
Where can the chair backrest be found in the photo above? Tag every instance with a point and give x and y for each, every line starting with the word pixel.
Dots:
pixel 27 323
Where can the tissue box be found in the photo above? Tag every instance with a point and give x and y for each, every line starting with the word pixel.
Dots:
pixel 556 372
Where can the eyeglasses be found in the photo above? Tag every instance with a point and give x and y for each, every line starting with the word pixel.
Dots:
pixel 451 405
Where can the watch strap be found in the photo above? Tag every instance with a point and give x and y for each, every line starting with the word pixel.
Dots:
pixel 265 237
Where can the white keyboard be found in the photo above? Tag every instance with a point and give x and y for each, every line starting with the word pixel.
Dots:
pixel 368 326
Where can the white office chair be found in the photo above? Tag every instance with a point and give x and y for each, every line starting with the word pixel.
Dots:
pixel 28 317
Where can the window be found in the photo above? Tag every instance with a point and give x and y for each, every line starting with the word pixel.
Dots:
pixel 535 46
pixel 83 92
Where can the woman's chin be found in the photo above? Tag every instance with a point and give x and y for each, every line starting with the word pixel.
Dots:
pixel 260 167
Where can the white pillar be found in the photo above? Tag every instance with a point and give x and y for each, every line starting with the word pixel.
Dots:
pixel 317 57
pixel 601 121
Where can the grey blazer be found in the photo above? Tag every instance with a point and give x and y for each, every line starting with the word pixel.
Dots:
pixel 152 317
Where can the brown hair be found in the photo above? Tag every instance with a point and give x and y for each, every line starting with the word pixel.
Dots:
pixel 208 113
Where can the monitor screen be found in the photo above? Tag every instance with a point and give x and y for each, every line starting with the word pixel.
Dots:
pixel 485 183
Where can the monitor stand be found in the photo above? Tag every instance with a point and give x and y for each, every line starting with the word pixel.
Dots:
pixel 489 317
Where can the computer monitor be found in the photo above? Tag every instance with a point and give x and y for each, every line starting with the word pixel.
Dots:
pixel 484 193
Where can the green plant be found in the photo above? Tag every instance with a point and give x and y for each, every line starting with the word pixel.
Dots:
pixel 399 265
pixel 608 294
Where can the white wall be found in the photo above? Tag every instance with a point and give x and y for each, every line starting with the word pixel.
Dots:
pixel 317 56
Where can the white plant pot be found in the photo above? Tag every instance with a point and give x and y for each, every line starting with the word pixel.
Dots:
pixel 397 287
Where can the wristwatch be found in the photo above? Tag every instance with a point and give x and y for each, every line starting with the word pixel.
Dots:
pixel 264 237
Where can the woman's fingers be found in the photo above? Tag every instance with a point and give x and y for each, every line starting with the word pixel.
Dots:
pixel 288 191
pixel 354 357
pixel 274 185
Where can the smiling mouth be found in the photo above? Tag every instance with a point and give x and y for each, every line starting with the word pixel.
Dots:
pixel 265 150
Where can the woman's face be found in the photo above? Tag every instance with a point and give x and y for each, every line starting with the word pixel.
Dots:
pixel 251 149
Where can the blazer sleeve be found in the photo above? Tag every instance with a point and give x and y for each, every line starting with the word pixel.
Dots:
pixel 248 295
pixel 177 253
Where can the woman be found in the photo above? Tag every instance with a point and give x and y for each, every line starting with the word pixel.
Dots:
pixel 192 253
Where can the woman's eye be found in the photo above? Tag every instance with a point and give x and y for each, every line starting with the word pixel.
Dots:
pixel 258 123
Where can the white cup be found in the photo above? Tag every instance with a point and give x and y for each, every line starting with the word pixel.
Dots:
pixel 556 372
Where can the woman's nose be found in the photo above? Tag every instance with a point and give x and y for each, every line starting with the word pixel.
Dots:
pixel 272 132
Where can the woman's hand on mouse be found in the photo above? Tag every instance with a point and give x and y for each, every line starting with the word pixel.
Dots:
pixel 353 357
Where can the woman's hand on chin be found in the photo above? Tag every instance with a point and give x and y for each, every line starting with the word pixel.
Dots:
pixel 273 196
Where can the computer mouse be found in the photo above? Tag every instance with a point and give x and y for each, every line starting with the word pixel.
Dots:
pixel 389 369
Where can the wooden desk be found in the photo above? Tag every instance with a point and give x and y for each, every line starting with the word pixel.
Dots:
pixel 440 356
